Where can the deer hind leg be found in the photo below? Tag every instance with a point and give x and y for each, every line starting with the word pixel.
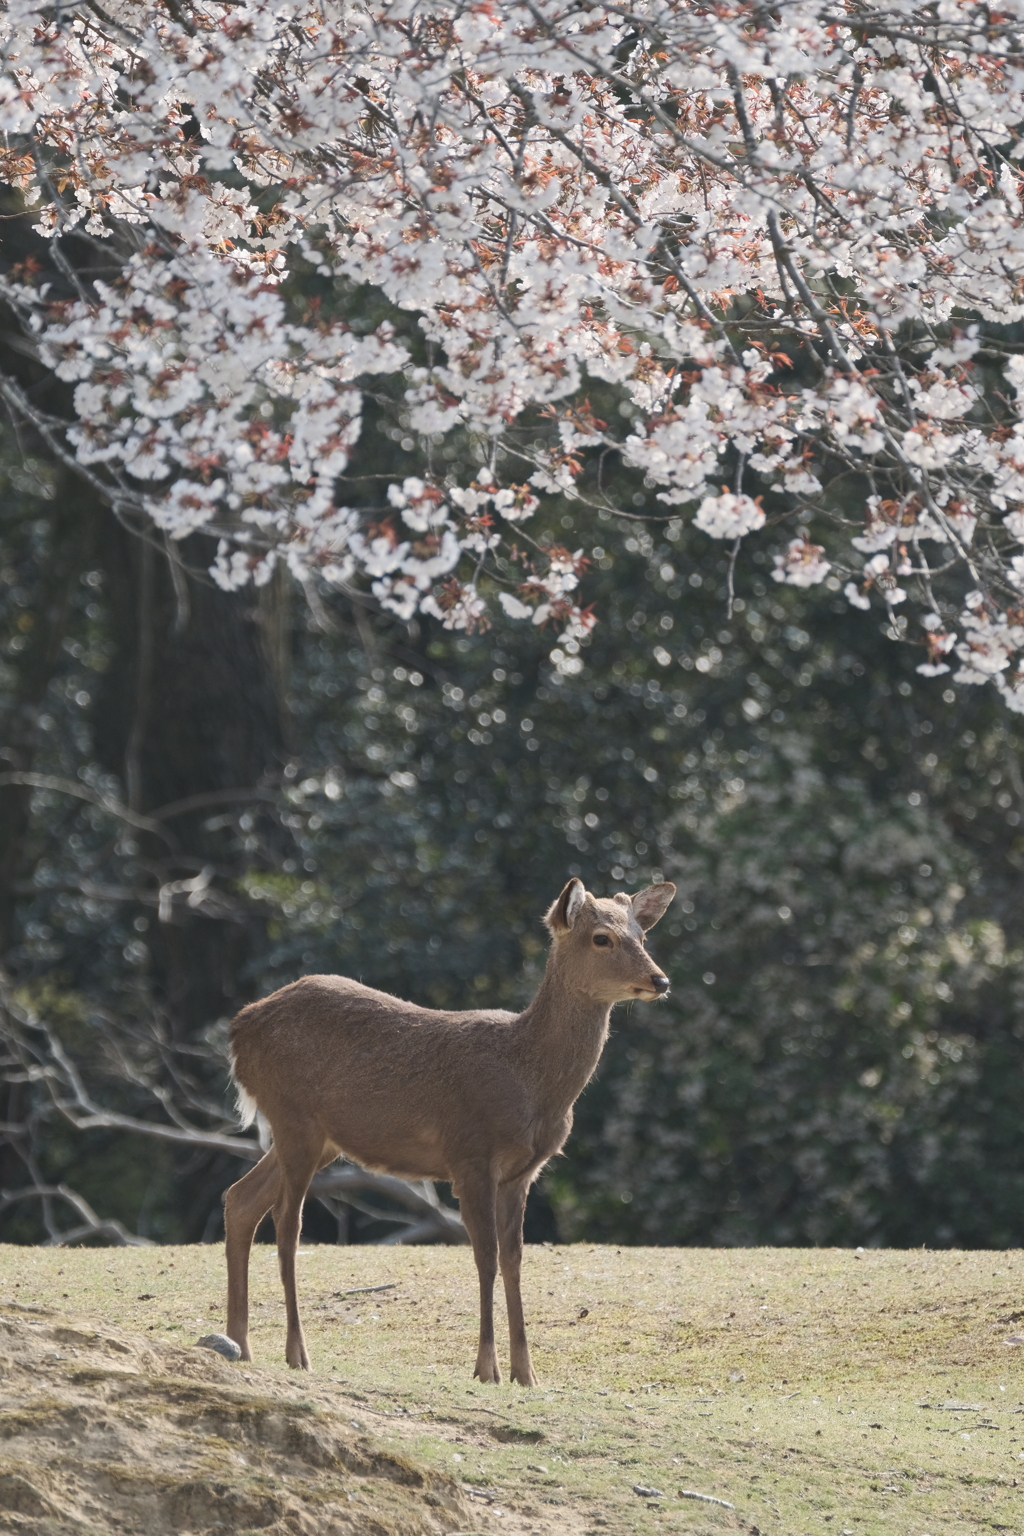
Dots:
pixel 245 1205
pixel 510 1209
pixel 476 1190
pixel 299 1159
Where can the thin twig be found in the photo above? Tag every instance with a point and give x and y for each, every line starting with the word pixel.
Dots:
pixel 94 797
pixel 705 1498
pixel 729 578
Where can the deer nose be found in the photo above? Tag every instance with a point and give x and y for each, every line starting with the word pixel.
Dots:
pixel 660 984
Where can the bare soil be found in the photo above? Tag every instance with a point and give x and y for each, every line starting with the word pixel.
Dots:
pixel 103 1431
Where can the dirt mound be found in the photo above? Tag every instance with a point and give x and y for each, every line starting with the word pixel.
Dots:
pixel 102 1431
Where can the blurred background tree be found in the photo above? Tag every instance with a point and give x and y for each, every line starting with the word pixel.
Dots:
pixel 203 795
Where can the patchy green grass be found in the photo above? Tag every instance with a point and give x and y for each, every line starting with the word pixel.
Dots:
pixel 813 1390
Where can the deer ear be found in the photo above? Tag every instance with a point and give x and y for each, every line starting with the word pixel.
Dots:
pixel 567 908
pixel 650 904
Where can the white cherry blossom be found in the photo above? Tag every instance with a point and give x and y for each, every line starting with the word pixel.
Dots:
pixel 786 244
pixel 803 564
pixel 729 516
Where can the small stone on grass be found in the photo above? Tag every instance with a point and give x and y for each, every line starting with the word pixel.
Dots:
pixel 221 1343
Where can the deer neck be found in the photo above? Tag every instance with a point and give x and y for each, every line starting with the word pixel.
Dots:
pixel 563 1034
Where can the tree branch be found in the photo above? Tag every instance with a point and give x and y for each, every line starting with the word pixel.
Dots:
pixel 434 1222
pixel 91 1224
pixel 84 792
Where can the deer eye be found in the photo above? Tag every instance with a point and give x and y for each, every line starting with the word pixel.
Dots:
pixel 602 940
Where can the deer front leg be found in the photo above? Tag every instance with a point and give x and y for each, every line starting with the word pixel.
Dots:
pixel 511 1207
pixel 245 1205
pixel 476 1203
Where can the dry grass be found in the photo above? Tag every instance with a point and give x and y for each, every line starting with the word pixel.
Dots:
pixel 792 1384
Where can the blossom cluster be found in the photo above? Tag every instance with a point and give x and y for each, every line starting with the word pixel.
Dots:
pixel 787 240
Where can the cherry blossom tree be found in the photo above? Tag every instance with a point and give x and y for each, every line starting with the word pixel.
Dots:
pixel 770 257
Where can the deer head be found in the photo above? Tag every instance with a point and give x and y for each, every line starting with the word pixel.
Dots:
pixel 599 943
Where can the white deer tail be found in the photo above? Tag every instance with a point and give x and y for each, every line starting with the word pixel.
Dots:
pixel 247 1108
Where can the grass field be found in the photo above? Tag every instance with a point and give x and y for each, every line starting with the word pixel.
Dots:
pixel 814 1391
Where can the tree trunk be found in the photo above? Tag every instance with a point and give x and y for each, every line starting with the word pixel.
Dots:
pixel 75 516
pixel 190 709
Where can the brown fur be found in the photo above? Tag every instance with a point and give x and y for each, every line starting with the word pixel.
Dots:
pixel 481 1098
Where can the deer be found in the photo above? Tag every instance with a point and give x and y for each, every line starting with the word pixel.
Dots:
pixel 482 1099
